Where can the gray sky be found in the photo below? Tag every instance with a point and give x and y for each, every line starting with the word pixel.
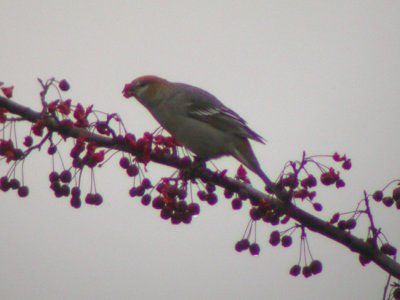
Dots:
pixel 320 76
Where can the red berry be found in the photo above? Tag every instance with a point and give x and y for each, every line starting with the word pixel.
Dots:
pixel 316 267
pixel 202 195
pixel 285 220
pixel 254 249
pixel 228 193
pixel 4 184
pixel 124 162
pixel 275 238
pixel 65 176
pixel 176 218
pixel 52 150
pixel 14 184
pixel 166 213
pixel 378 196
pixel 146 183
pixel 212 199
pixel 317 206
pixel 23 191
pixel 75 202
pixel 242 245
pixel 89 199
pixel 342 225
pixel 97 199
pixel 182 194
pixel 56 185
pixel 53 176
pixel 236 204
pixel 210 187
pixel 186 218
pixel 295 270
pixel 193 209
pixel 146 199
pixel 76 191
pixel 388 201
pixel 65 190
pixel 286 241
pixel 63 85
pixel 255 214
pixel 181 206
pixel 307 271
pixel 28 141
pixel 351 224
pixel 133 192
pixel 158 202
pixel 132 170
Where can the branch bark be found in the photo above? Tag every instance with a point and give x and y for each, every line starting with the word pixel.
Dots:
pixel 308 220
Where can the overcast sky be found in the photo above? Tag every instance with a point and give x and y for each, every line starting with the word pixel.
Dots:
pixel 319 76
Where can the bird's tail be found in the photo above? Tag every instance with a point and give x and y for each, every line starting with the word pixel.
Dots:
pixel 245 154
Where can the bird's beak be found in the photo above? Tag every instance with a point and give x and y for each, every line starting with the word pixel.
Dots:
pixel 129 90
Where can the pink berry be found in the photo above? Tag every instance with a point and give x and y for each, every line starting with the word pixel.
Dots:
pixel 23 191
pixel 63 85
pixel 286 241
pixel 236 204
pixel 254 249
pixel 124 162
pixel 275 238
pixel 316 267
pixel 295 270
pixel 193 209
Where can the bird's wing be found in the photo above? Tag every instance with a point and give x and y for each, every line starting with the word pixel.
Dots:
pixel 207 108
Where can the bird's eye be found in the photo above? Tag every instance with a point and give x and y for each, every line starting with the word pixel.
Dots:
pixel 141 87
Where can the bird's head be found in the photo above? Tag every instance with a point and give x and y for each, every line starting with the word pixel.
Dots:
pixel 147 89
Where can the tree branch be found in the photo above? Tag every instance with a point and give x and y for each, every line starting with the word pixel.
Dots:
pixel 311 222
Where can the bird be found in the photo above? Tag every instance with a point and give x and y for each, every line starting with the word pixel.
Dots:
pixel 198 120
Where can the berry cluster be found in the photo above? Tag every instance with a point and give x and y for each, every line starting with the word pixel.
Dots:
pixel 244 245
pixel 277 238
pixel 388 200
pixel 7 184
pixel 347 224
pixel 170 200
pixel 308 269
pixel 208 195
pixel 83 153
pixel 297 180
pixel 314 268
pixel 14 155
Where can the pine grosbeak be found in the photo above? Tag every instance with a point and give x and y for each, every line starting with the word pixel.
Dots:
pixel 198 120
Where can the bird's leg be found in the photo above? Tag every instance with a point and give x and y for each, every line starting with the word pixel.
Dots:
pixel 199 163
pixel 190 170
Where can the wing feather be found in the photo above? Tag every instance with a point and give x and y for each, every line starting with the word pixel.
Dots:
pixel 207 108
